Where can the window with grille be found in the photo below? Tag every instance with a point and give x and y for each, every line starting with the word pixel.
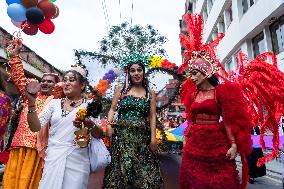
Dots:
pixel 277 35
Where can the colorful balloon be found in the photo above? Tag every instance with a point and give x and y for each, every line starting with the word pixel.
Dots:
pixel 17 12
pixel 17 24
pixel 29 3
pixel 34 15
pixel 57 13
pixel 48 8
pixel 9 2
pixel 47 26
pixel 29 28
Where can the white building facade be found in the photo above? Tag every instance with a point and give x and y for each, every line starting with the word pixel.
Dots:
pixel 250 26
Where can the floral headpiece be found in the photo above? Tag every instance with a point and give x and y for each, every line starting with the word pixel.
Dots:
pixel 81 69
pixel 198 55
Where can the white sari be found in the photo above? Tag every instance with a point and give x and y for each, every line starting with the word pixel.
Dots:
pixel 66 165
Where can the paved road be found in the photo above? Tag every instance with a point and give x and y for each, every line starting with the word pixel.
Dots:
pixel 265 183
pixel 170 166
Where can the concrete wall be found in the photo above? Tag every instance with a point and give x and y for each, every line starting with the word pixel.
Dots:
pixel 243 28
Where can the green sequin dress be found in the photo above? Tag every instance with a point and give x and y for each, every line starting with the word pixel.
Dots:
pixel 133 165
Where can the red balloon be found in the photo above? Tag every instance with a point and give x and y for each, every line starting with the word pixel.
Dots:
pixel 47 26
pixel 48 8
pixel 29 28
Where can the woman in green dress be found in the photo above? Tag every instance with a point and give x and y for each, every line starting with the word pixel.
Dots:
pixel 133 137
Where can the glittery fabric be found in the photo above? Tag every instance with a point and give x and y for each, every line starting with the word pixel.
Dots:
pixel 24 137
pixel 133 164
pixel 5 112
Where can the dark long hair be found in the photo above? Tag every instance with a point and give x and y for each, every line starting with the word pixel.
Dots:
pixel 213 80
pixel 128 86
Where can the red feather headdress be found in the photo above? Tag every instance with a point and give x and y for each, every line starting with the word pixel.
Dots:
pixel 198 55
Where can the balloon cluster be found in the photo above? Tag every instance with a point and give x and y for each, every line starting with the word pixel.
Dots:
pixel 33 15
pixel 158 62
pixel 104 83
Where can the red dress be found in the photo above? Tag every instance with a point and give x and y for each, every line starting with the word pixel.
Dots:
pixel 204 162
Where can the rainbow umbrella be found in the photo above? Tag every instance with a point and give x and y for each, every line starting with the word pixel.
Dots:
pixel 179 130
pixel 170 137
pixel 173 135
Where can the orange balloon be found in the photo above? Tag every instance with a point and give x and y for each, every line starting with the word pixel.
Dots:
pixel 29 3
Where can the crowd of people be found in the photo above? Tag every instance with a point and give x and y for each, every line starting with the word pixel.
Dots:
pixel 42 152
pixel 171 122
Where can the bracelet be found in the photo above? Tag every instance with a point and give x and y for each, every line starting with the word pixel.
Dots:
pixel 31 111
pixel 233 141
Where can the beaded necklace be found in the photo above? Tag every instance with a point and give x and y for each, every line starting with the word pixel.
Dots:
pixel 64 113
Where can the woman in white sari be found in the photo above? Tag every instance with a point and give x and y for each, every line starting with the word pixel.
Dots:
pixel 66 164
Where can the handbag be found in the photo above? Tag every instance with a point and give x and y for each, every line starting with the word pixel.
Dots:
pixel 99 155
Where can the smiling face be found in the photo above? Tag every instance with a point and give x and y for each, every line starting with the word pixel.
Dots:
pixel 72 85
pixel 136 74
pixel 46 85
pixel 197 77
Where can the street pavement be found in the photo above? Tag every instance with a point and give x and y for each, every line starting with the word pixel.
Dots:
pixel 265 183
pixel 170 164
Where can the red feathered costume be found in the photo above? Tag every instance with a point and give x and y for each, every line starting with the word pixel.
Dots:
pixel 214 116
pixel 204 161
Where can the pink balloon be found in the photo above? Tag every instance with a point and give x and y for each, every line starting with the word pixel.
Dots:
pixel 17 24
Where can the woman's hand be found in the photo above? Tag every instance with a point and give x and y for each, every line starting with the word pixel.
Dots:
pixel 154 147
pixel 232 152
pixel 77 122
pixel 184 139
pixel 89 123
pixel 109 132
pixel 31 99
pixel 32 89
